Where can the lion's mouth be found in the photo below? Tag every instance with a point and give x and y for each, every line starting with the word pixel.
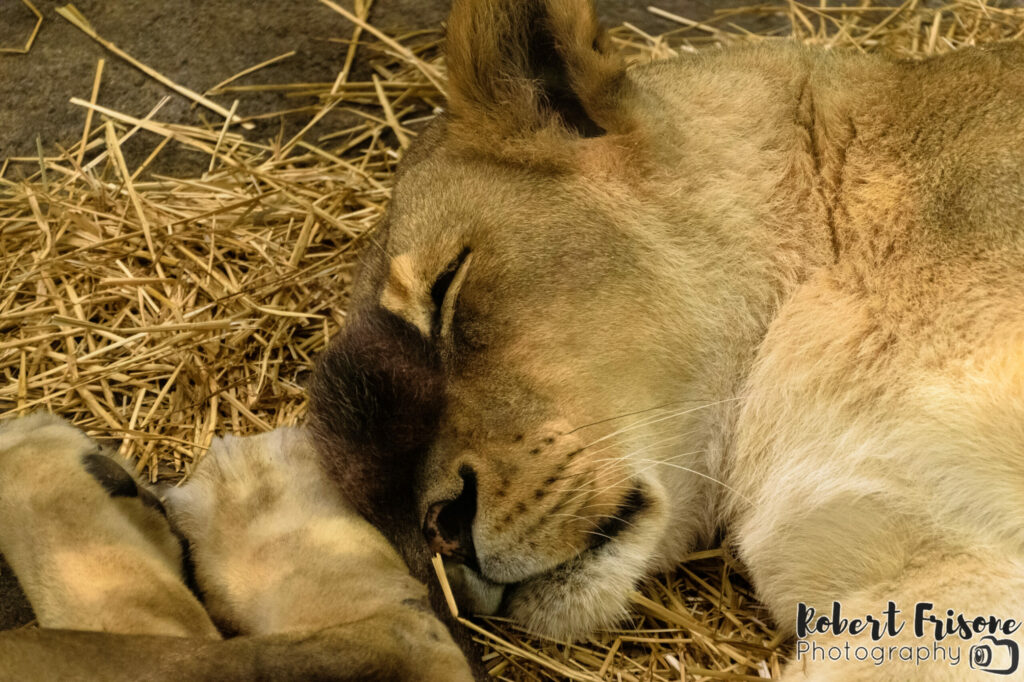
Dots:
pixel 448 530
pixel 609 529
pixel 525 596
pixel 483 596
pixel 612 526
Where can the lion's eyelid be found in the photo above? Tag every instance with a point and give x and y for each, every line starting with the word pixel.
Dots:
pixel 446 312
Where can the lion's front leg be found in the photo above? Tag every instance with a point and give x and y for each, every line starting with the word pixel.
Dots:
pixel 90 547
pixel 877 459
pixel 277 550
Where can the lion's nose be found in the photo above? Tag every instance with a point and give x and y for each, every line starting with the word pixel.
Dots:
pixel 449 523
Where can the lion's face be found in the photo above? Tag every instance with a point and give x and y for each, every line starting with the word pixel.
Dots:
pixel 527 293
pixel 534 295
pixel 556 382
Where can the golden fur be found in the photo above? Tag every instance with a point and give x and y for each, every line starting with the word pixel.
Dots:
pixel 771 289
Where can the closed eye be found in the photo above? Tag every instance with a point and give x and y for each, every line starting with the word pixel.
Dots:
pixel 445 290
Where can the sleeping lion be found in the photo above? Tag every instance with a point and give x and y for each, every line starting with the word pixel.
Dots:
pixel 772 291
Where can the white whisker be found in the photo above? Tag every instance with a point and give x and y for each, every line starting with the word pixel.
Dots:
pixel 656 420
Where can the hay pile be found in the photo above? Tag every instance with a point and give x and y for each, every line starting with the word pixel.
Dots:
pixel 159 311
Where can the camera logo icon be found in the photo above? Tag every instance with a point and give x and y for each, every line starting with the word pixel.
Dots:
pixel 996 656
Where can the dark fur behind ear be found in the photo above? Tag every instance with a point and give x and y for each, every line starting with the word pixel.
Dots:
pixel 522 65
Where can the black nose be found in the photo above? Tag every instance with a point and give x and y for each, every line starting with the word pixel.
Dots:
pixel 449 523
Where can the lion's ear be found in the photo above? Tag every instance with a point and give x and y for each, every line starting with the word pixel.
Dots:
pixel 528 64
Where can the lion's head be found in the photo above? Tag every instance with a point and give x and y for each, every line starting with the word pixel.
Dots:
pixel 516 377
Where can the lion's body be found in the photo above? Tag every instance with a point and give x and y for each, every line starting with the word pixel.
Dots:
pixel 773 290
pixel 860 224
pixel 879 448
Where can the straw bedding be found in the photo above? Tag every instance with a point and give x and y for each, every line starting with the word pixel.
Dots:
pixel 158 311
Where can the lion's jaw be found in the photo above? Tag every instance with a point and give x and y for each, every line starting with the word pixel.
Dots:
pixel 566 533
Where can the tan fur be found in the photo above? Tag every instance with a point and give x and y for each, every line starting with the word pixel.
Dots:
pixel 405 293
pixel 782 294
pixel 486 57
pixel 87 561
pixel 277 550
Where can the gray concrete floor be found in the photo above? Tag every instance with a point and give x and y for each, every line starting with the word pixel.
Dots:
pixel 198 43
